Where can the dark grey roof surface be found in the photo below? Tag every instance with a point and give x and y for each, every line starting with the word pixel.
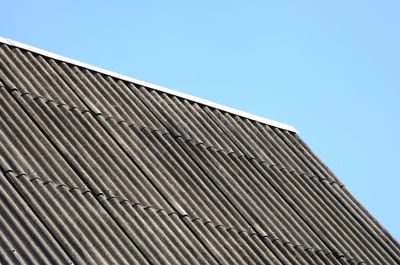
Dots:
pixel 98 170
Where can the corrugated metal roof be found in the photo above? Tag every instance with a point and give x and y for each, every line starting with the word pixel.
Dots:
pixel 101 170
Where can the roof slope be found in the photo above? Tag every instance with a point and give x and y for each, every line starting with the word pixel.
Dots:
pixel 101 170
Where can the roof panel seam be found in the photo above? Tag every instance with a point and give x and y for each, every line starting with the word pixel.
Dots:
pixel 9 176
pixel 48 100
pixel 238 230
pixel 204 222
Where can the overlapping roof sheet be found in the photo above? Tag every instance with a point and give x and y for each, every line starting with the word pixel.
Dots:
pixel 98 169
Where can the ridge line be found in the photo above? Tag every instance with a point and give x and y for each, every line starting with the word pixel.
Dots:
pixel 149 85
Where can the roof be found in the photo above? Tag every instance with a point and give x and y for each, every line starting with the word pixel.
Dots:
pixel 149 85
pixel 103 169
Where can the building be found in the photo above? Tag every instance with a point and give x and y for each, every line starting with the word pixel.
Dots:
pixel 99 168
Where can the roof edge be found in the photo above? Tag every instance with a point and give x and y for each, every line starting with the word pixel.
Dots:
pixel 149 85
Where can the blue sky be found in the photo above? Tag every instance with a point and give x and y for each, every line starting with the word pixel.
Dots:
pixel 332 70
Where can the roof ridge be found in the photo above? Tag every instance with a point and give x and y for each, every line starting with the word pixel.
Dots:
pixel 149 85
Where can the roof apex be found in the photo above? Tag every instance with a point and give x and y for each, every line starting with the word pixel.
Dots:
pixel 149 85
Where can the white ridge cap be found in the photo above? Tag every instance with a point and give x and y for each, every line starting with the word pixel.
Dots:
pixel 149 85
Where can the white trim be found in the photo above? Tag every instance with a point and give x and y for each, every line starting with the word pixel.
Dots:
pixel 156 87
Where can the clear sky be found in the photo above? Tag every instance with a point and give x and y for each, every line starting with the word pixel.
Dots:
pixel 329 68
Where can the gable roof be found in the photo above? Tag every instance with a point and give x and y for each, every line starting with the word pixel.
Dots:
pixel 103 169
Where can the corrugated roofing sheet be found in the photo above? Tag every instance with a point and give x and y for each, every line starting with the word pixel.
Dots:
pixel 101 170
pixel 149 85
